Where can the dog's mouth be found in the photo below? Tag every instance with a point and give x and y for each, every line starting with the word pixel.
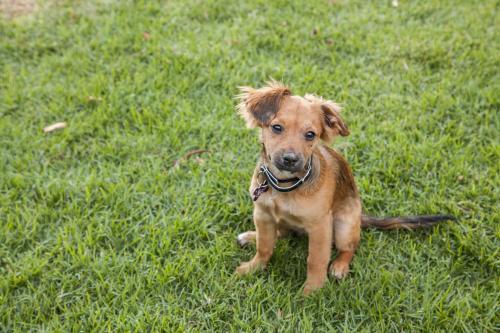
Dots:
pixel 289 168
pixel 298 167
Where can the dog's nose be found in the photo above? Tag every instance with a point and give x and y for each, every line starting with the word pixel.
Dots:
pixel 290 159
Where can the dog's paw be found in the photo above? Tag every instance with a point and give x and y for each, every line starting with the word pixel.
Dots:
pixel 243 268
pixel 247 267
pixel 310 287
pixel 245 238
pixel 339 269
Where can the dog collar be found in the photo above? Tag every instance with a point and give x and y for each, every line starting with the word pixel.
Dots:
pixel 271 179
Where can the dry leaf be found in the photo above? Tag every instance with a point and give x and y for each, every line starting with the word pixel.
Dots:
pixel 329 41
pixel 232 42
pixel 94 99
pixel 146 35
pixel 53 127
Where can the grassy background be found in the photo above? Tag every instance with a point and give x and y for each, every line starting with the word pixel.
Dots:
pixel 99 231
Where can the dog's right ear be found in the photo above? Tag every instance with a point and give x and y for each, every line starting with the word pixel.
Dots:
pixel 259 106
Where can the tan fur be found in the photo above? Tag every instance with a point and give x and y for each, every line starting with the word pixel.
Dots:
pixel 257 105
pixel 327 206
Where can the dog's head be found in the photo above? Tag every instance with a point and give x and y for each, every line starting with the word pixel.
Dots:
pixel 291 125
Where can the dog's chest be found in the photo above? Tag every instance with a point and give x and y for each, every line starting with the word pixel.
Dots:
pixel 285 209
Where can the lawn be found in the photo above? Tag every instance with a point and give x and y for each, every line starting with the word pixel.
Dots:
pixel 99 231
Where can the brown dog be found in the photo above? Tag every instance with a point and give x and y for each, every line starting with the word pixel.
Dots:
pixel 302 185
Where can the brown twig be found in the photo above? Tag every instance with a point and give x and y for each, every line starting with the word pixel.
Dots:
pixel 187 155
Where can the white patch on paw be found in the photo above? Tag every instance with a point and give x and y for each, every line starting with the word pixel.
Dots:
pixel 339 275
pixel 339 271
pixel 242 239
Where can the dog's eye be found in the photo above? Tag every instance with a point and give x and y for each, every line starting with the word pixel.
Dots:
pixel 310 136
pixel 277 129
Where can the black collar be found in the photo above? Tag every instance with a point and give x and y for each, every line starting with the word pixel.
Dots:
pixel 271 179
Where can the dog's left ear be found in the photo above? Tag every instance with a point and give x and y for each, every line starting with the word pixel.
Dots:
pixel 333 124
pixel 259 106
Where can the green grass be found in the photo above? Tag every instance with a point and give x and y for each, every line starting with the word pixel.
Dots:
pixel 99 232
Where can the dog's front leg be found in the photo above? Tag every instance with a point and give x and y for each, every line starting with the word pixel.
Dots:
pixel 266 233
pixel 320 247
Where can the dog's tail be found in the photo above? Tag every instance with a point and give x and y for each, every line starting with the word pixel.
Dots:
pixel 407 222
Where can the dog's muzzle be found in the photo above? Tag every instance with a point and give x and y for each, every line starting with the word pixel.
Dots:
pixel 289 161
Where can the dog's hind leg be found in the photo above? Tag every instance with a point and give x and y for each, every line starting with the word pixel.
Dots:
pixel 246 237
pixel 346 228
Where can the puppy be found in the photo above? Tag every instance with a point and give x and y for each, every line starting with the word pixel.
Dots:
pixel 300 184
